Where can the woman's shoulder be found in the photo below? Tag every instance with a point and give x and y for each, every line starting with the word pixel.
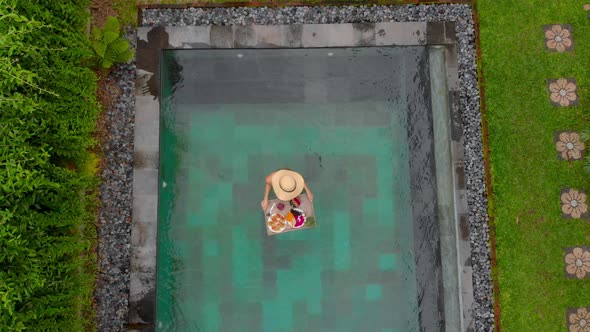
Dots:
pixel 269 177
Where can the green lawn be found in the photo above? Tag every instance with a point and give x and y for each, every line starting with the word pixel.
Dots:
pixel 526 174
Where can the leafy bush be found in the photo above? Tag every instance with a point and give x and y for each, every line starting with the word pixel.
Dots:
pixel 108 45
pixel 49 112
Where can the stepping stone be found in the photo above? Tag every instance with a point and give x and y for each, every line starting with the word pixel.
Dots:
pixel 569 145
pixel 558 37
pixel 577 262
pixel 563 91
pixel 573 204
pixel 578 319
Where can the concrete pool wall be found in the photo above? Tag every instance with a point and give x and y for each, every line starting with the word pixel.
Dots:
pixel 439 36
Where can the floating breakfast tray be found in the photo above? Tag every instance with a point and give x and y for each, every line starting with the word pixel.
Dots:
pixel 282 221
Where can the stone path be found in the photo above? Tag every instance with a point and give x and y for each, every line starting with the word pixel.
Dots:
pixel 569 146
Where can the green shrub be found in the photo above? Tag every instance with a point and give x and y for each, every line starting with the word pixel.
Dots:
pixel 109 46
pixel 49 112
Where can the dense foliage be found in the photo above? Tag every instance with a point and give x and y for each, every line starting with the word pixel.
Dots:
pixel 48 112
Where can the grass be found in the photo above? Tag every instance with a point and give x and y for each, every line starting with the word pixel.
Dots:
pixel 526 174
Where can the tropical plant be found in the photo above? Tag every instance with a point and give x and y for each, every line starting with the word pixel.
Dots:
pixel 47 182
pixel 109 46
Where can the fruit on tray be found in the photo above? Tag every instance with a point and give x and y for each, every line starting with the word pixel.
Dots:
pixel 299 217
pixel 290 217
pixel 276 223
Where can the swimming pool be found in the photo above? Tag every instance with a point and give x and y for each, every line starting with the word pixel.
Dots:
pixel 358 124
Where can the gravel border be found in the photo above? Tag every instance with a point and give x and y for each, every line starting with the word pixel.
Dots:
pixel 116 189
pixel 116 194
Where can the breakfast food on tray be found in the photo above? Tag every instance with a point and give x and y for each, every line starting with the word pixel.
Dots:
pixel 290 219
pixel 299 217
pixel 276 223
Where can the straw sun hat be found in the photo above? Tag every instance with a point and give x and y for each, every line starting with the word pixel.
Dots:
pixel 287 184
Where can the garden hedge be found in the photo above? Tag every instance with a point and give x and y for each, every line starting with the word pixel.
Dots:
pixel 48 113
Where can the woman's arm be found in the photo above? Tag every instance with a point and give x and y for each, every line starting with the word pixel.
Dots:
pixel 309 193
pixel 264 203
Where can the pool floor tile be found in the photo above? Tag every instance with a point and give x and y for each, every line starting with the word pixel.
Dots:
pixel 387 262
pixel 373 293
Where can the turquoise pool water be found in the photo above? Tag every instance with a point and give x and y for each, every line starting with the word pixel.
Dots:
pixel 356 124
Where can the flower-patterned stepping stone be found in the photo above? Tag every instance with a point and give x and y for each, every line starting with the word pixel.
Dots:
pixel 578 319
pixel 569 145
pixel 558 37
pixel 573 204
pixel 577 262
pixel 563 91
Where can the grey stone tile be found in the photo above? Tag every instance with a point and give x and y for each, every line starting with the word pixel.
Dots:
pixel 457 151
pixel 189 36
pixel 146 138
pixel 145 208
pixel 142 33
pixel 147 111
pixel 142 77
pixel 459 169
pixel 453 82
pixel 244 36
pixel 435 33
pixel 221 36
pixel 145 182
pixel 398 33
pixel 141 284
pixel 332 35
pixel 143 234
pixel 456 116
pixel 451 55
pixel 450 34
pixel 143 258
pixel 341 35
pixel 270 36
pixel 147 123
pixel 461 201
pixel 143 312
pixel 146 159
pixel 293 35
pixel 363 34
pixel 463 222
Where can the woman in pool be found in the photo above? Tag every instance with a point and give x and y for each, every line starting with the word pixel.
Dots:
pixel 286 184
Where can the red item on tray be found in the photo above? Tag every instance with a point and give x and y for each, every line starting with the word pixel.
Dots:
pixel 295 202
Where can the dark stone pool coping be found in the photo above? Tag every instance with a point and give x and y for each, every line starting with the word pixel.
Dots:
pixel 456 33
